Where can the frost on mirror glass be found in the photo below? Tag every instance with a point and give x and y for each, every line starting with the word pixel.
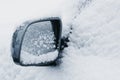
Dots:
pixel 38 45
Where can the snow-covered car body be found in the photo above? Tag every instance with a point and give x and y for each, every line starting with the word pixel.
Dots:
pixel 94 47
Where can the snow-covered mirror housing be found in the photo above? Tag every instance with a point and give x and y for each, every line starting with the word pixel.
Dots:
pixel 37 43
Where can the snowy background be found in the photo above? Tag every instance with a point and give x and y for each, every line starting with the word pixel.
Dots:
pixel 94 47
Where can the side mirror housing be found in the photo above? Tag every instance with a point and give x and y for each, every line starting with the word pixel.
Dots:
pixel 37 43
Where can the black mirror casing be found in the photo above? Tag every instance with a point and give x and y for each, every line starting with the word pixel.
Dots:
pixel 19 34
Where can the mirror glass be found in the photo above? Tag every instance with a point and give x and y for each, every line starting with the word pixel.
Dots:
pixel 38 44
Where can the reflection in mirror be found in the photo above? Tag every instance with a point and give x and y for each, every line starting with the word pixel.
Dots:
pixel 38 44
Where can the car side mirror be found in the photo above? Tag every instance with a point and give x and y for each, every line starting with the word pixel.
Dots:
pixel 37 43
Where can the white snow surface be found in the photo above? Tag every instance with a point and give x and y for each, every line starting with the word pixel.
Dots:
pixel 94 47
pixel 27 58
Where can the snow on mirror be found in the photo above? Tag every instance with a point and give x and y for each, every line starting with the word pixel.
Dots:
pixel 38 44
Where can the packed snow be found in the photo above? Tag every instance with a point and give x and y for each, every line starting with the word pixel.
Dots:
pixel 27 58
pixel 94 47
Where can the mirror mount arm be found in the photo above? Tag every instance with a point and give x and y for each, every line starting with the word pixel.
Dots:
pixel 65 40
